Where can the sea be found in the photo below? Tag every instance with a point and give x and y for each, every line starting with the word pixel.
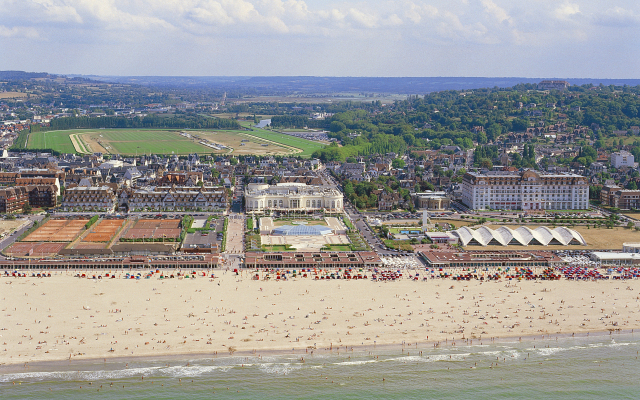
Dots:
pixel 588 367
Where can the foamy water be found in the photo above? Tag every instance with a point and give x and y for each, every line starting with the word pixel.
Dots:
pixel 571 368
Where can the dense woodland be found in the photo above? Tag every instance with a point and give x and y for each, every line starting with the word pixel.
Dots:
pixel 482 117
pixel 150 121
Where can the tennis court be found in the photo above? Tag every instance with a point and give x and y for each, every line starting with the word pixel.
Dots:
pixel 35 249
pixel 154 229
pixel 57 230
pixel 104 230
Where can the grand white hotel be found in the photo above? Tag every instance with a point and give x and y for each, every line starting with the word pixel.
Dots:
pixel 291 197
pixel 525 190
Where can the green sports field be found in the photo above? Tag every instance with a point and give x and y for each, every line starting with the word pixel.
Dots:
pixel 307 146
pixel 148 141
pixel 118 141
pixel 55 140
pixel 155 141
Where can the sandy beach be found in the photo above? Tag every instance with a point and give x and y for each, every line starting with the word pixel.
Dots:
pixel 64 317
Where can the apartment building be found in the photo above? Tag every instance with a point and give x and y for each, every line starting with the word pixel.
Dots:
pixel 39 181
pixel 175 197
pixel 615 196
pixel 13 199
pixel 553 85
pixel 525 190
pixel 95 198
pixel 622 159
pixel 42 195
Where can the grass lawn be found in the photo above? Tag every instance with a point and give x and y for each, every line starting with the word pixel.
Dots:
pixel 456 222
pixel 337 247
pixel 278 247
pixel 55 140
pixel 404 245
pixel 407 228
pixel 626 140
pixel 158 141
pixel 132 141
pixel 307 146
pixel 118 141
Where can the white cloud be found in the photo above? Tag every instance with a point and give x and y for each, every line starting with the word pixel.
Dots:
pixel 567 10
pixel 414 12
pixel 618 17
pixel 58 12
pixel 16 32
pixel 346 26
pixel 392 20
pixel 497 12
pixel 362 19
pixel 211 13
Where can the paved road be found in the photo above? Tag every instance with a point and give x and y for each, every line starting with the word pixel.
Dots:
pixel 10 239
pixel 235 234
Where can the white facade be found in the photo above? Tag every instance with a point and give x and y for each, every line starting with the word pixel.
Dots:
pixel 291 196
pixel 622 159
pixel 528 190
pixel 631 247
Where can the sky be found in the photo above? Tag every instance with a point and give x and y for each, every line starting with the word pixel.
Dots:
pixel 418 38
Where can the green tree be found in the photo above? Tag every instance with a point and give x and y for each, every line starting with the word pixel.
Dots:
pixel 337 126
pixel 398 163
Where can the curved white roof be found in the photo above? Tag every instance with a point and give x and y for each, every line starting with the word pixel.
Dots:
pixel 523 236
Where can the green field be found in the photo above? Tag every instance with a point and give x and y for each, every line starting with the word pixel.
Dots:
pixel 141 141
pixel 150 141
pixel 307 146
pixel 118 141
pixel 55 140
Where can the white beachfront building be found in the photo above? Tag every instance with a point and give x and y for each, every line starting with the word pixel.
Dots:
pixel 291 197
pixel 526 190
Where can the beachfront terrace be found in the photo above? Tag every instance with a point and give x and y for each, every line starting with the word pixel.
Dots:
pixel 204 261
pixel 313 260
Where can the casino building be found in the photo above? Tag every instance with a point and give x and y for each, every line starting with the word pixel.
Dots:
pixel 291 197
pixel 525 190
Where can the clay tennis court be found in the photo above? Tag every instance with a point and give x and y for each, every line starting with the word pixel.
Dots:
pixel 57 230
pixel 154 229
pixel 138 233
pixel 167 233
pixel 104 231
pixel 35 249
pixel 157 223
pixel 83 245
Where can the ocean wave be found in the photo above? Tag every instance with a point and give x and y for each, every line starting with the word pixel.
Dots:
pixel 279 369
pixel 79 375
pixel 192 370
pixel 491 353
pixel 431 358
pixel 360 362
